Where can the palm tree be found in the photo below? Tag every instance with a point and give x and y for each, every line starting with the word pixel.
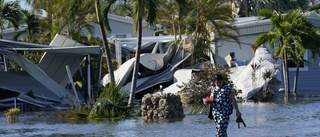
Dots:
pixel 54 12
pixel 10 12
pixel 66 17
pixel 102 19
pixel 308 38
pixel 142 9
pixel 207 17
pixel 315 8
pixel 111 103
pixel 298 59
pixel 122 9
pixel 288 29
pixel 78 19
pixel 279 5
pixel 33 27
pixel 171 14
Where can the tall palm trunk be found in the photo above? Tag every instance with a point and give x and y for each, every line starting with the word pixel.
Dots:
pixel 1 33
pixel 286 75
pixel 137 62
pixel 174 29
pixel 105 41
pixel 179 27
pixel 295 82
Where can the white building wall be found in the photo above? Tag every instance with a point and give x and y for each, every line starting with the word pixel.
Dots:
pixel 120 28
pixel 242 52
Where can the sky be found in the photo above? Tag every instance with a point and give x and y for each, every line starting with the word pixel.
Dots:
pixel 23 4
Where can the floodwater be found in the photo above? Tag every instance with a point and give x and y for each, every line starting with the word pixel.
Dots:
pixel 300 118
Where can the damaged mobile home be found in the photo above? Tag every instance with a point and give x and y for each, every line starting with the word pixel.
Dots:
pixel 43 85
pixel 159 60
pixel 46 85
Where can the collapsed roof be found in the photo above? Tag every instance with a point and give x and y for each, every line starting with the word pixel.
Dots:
pixel 48 79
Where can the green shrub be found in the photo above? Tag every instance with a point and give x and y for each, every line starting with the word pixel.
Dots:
pixel 199 85
pixel 112 103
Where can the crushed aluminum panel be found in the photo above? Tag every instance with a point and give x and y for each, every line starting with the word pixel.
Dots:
pixel 63 41
pixel 73 63
pixel 54 63
pixel 39 75
pixel 15 44
pixel 27 99
pixel 140 81
pixel 22 82
pixel 23 46
pixel 152 61
pixel 79 50
pixel 164 76
pixel 32 103
pixel 250 84
pixel 180 76
pixel 121 74
pixel 167 74
pixel 5 105
pixel 157 61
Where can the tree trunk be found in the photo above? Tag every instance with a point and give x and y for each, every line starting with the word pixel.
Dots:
pixel 296 80
pixel 174 29
pixel 286 75
pixel 246 8
pixel 179 25
pixel 105 42
pixel 136 64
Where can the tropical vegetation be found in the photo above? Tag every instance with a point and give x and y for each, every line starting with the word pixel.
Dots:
pixel 253 7
pixel 199 87
pixel 295 34
pixel 201 83
pixel 142 9
pixel 10 15
pixel 205 21
pixel 206 24
pixel 112 103
pixel 12 115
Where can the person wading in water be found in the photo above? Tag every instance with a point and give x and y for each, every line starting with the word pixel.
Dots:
pixel 224 99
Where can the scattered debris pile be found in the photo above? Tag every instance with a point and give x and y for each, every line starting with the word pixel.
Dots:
pixel 163 106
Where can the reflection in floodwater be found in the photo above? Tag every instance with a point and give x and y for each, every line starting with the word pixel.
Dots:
pixel 295 119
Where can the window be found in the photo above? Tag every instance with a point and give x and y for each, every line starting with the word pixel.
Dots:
pixel 121 36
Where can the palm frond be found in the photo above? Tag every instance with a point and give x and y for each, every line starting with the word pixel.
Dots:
pixel 105 12
pixel 111 103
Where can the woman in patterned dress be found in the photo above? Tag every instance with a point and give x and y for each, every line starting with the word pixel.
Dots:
pixel 224 99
